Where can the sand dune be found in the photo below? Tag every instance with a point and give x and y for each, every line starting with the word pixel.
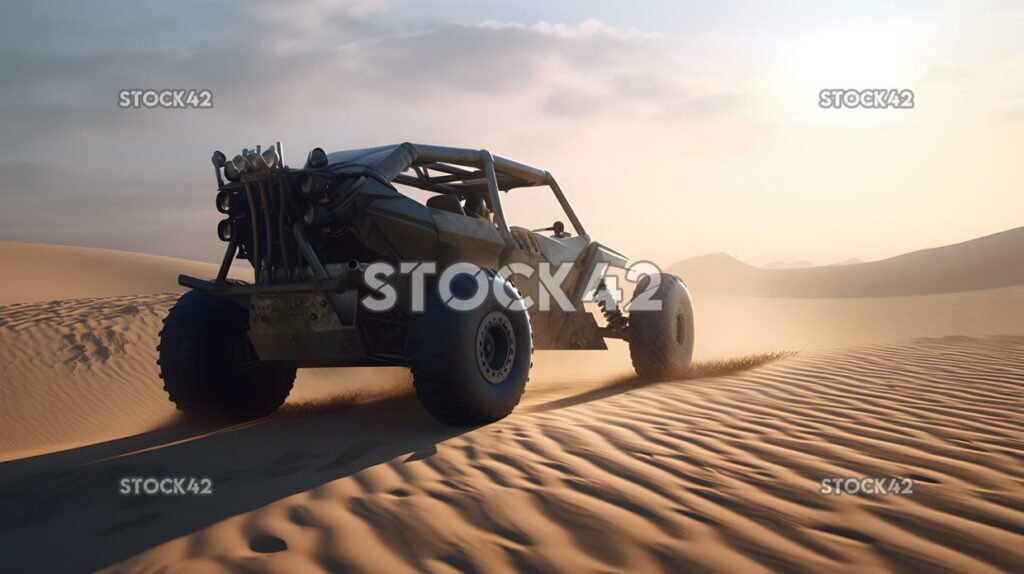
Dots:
pixel 82 370
pixel 717 474
pixel 38 272
pixel 595 471
pixel 985 263
pixel 79 371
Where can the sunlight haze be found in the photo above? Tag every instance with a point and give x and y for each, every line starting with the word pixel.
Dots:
pixel 679 131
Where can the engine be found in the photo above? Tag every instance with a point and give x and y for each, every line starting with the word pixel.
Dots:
pixel 286 222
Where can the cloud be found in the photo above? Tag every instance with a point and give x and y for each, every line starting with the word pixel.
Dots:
pixel 562 94
pixel 118 209
pixel 575 103
pixel 263 60
pixel 590 28
pixel 498 57
pixel 713 104
pixel 334 74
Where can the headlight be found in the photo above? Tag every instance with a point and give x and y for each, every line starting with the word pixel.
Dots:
pixel 313 186
pixel 317 159
pixel 315 216
pixel 225 230
pixel 269 157
pixel 218 159
pixel 231 172
pixel 254 161
pixel 238 164
pixel 224 202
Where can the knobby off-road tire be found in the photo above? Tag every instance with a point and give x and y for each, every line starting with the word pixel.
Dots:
pixel 471 367
pixel 209 366
pixel 661 342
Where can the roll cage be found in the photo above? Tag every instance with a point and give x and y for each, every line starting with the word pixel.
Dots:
pixel 456 171
pixel 462 171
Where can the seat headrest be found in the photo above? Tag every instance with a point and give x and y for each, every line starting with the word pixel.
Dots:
pixel 446 203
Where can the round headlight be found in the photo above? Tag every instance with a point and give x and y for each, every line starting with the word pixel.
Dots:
pixel 315 216
pixel 224 202
pixel 219 159
pixel 317 158
pixel 312 185
pixel 231 172
pixel 238 164
pixel 270 158
pixel 255 160
pixel 225 229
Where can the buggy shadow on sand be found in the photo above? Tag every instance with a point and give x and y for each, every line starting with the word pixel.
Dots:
pixel 312 236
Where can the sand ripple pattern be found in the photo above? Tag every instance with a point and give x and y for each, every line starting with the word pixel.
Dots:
pixel 715 475
pixel 79 368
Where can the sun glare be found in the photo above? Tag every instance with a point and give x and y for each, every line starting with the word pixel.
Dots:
pixel 846 58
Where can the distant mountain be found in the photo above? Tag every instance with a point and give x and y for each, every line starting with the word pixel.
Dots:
pixel 787 265
pixel 850 261
pixel 987 262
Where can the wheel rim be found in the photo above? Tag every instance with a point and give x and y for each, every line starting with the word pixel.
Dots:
pixel 495 347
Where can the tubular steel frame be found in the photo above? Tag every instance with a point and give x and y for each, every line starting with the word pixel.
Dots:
pixel 492 173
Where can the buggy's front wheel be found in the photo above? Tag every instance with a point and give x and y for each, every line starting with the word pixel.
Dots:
pixel 470 367
pixel 209 366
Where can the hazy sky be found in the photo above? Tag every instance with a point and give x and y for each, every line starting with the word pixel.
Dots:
pixel 676 128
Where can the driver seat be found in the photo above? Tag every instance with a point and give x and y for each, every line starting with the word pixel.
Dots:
pixel 446 202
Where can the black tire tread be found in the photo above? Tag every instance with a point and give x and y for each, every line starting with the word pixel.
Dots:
pixel 437 387
pixel 652 358
pixel 183 350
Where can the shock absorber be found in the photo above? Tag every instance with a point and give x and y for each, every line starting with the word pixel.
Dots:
pixel 618 324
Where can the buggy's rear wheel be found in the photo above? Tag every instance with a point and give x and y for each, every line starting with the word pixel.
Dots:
pixel 471 367
pixel 661 338
pixel 209 366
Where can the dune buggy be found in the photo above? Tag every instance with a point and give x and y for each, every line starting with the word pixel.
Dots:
pixel 312 234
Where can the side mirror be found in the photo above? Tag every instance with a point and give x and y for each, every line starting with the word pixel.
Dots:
pixel 558 228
